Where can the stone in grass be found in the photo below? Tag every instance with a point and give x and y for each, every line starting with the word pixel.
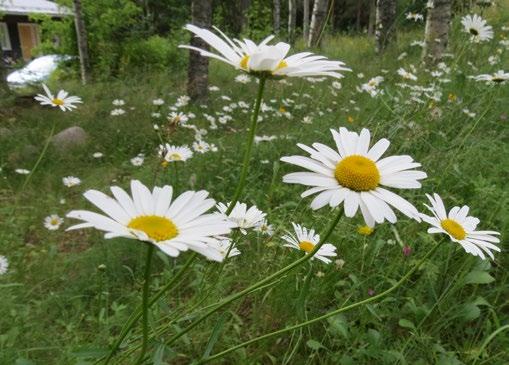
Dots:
pixel 70 138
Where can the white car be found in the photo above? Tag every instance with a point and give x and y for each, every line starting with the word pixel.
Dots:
pixel 35 72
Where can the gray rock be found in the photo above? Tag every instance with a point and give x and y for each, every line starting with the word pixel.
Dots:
pixel 70 138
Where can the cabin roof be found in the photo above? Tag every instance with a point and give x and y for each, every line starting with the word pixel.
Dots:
pixel 27 7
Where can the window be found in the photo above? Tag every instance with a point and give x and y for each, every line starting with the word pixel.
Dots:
pixel 5 42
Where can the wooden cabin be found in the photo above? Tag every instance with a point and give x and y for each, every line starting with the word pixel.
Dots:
pixel 18 33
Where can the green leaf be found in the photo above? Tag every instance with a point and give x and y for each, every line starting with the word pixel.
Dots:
pixel 214 336
pixel 478 277
pixel 22 361
pixel 338 325
pixel 405 323
pixel 469 311
pixel 314 345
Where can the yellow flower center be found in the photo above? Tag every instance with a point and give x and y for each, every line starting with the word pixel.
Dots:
pixel 357 173
pixel 175 157
pixel 54 221
pixel 306 246
pixel 280 65
pixel 453 228
pixel 57 101
pixel 282 109
pixel 243 62
pixel 156 227
pixel 365 230
pixel 497 79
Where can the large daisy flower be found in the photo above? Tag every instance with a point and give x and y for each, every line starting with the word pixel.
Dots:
pixel 172 225
pixel 269 60
pixel 460 227
pixel 355 174
pixel 306 241
pixel 61 100
pixel 479 30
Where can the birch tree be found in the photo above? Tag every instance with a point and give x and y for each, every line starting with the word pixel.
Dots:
pixel 198 69
pixel 82 39
pixel 385 33
pixel 276 15
pixel 305 19
pixel 317 22
pixel 436 35
pixel 292 19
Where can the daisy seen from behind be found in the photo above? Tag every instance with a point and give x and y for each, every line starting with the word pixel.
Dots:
pixel 460 227
pixel 243 217
pixel 356 175
pixel 306 240
pixel 263 59
pixel 172 225
pixel 62 100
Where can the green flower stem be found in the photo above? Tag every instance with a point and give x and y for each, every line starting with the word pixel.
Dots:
pixel 262 282
pixel 325 316
pixel 43 152
pixel 136 315
pixel 249 146
pixel 301 301
pixel 146 286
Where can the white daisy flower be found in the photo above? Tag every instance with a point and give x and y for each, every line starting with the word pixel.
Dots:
pixel 61 100
pixel 138 160
pixel 223 246
pixel 157 102
pixel 53 222
pixel 71 181
pixel 498 77
pixel 477 27
pixel 177 118
pixel 174 153
pixel 269 60
pixel 97 155
pixel 306 241
pixel 243 78
pixel 242 217
pixel 406 75
pixel 4 265
pixel 22 171
pixel 173 225
pixel 118 102
pixel 460 227
pixel 355 174
pixel 117 112
pixel 414 16
pixel 201 146
pixel 265 228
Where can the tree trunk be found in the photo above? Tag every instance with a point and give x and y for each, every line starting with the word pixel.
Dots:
pixel 436 34
pixel 317 22
pixel 4 89
pixel 237 15
pixel 305 20
pixel 276 16
pixel 372 17
pixel 198 69
pixel 385 16
pixel 81 36
pixel 292 19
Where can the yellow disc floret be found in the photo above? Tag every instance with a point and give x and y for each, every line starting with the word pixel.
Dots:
pixel 306 246
pixel 453 228
pixel 243 62
pixel 280 65
pixel 357 173
pixel 156 227
pixel 57 101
